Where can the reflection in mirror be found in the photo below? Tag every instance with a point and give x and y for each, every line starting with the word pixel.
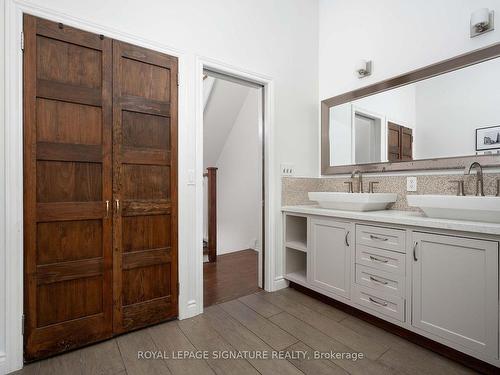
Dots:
pixel 450 115
pixel 367 136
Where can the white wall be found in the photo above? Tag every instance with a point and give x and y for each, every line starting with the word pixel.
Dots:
pixel 221 111
pixel 239 189
pixel 398 35
pixel 222 103
pixel 275 38
pixel 341 134
pixel 2 201
pixel 397 105
pixel 208 85
pixel 450 107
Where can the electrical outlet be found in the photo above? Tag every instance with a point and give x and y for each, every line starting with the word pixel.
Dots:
pixel 287 170
pixel 411 184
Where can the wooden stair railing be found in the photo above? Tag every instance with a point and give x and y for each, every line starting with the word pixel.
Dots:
pixel 212 213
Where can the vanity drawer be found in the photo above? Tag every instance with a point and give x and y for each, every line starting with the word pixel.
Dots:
pixel 385 282
pixel 391 306
pixel 389 261
pixel 383 238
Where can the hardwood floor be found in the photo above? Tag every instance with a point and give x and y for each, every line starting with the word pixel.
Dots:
pixel 233 275
pixel 288 321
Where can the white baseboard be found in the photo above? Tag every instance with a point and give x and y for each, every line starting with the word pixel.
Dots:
pixel 190 310
pixel 279 283
pixel 3 364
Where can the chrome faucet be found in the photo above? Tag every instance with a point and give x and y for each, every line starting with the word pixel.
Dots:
pixel 479 177
pixel 360 177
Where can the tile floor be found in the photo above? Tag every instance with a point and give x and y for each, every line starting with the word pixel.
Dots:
pixel 287 322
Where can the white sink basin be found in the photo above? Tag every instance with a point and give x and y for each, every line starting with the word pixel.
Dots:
pixel 353 201
pixel 457 207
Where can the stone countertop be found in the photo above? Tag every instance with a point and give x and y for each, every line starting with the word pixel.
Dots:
pixel 410 218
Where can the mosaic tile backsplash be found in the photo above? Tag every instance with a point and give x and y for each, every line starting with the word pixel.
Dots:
pixel 294 190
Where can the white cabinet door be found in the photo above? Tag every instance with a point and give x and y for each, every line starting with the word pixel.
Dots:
pixel 330 256
pixel 455 290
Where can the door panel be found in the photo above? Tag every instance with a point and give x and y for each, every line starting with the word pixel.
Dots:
pixel 59 181
pixel 393 142
pixel 146 232
pixel 406 144
pixel 145 183
pixel 455 290
pixel 60 61
pixel 67 178
pixel 141 130
pixel 61 122
pixel 330 261
pixel 69 240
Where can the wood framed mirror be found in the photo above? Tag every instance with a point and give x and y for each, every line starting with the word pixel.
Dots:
pixel 441 116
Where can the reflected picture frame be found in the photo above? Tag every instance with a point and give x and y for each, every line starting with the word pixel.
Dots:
pixel 488 138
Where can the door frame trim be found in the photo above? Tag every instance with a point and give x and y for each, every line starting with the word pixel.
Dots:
pixel 12 247
pixel 271 184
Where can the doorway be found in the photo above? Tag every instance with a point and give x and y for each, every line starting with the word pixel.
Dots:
pixel 233 187
pixel 368 139
pixel 369 136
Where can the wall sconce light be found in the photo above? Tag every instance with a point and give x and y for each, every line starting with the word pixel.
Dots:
pixel 364 68
pixel 481 21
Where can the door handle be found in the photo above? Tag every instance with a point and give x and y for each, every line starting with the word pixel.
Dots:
pixel 117 202
pixel 415 251
pixel 347 238
pixel 107 209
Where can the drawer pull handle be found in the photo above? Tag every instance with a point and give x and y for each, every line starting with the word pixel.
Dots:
pixel 378 259
pixel 415 251
pixel 378 281
pixel 107 210
pixel 347 238
pixel 378 238
pixel 384 304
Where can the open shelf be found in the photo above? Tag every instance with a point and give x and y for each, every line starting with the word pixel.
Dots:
pixel 296 232
pixel 299 277
pixel 295 265
pixel 297 245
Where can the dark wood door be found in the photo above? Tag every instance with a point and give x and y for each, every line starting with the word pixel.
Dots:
pixel 100 187
pixel 393 142
pixel 399 142
pixel 68 179
pixel 406 143
pixel 145 186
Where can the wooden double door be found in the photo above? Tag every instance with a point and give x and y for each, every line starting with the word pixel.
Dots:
pixel 100 187
pixel 399 143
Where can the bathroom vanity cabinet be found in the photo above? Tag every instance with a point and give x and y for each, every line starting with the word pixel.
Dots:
pixel 437 278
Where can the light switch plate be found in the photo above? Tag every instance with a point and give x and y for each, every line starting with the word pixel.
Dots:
pixel 411 184
pixel 191 179
pixel 287 170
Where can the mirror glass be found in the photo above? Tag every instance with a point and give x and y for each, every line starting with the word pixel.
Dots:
pixel 451 115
